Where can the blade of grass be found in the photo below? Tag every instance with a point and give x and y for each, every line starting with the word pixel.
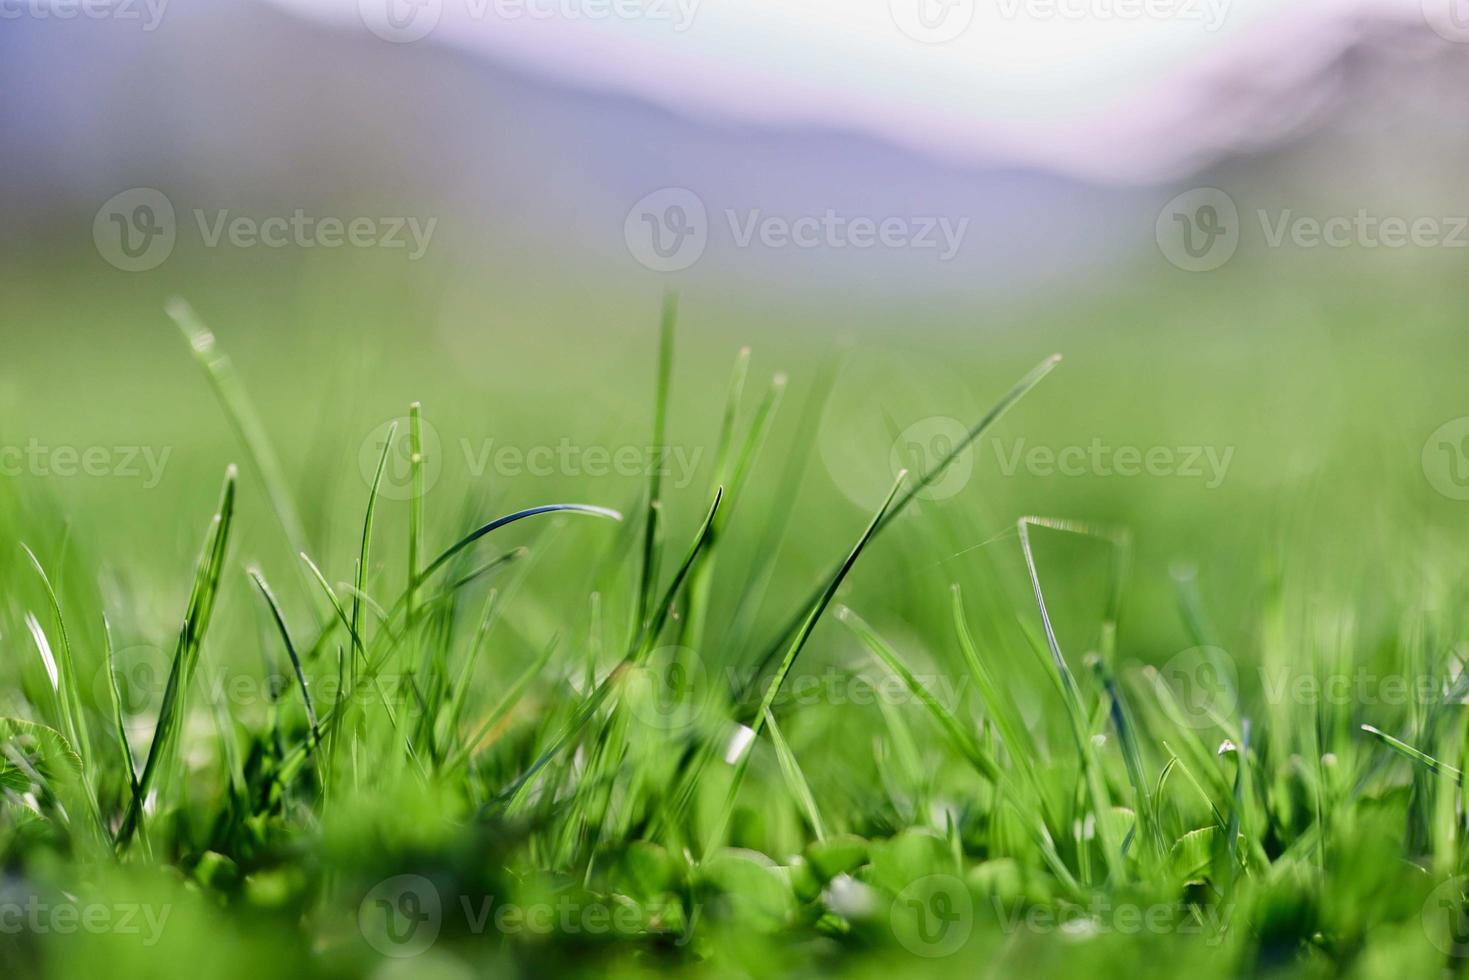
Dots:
pixel 498 523
pixel 507 701
pixel 242 415
pixel 649 578
pixel 415 508
pixel 702 580
pixel 197 616
pixel 1422 758
pixel 365 550
pixel 640 647
pixel 798 643
pixel 996 412
pixel 1000 709
pixel 1075 709
pixel 962 739
pixel 114 697
pixel 795 778
pixel 280 622
pixel 73 715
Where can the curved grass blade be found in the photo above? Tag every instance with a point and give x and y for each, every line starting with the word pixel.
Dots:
pixel 73 716
pixel 498 523
pixel 280 622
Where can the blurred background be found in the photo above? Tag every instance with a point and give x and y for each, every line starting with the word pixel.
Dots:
pixel 1242 222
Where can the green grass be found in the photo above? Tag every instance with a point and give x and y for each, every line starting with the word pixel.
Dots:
pixel 717 730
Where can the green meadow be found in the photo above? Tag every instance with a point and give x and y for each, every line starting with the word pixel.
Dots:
pixel 357 627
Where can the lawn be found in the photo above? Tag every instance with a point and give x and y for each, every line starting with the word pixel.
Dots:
pixel 566 651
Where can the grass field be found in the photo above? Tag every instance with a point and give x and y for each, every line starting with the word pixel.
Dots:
pixel 926 652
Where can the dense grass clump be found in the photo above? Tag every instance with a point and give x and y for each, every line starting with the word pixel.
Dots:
pixel 610 736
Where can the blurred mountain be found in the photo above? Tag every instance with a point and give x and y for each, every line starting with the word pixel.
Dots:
pixel 245 107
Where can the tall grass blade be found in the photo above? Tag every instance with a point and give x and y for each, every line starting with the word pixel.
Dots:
pixel 798 643
pixel 280 622
pixel 197 616
pixel 66 680
pixel 996 412
pixel 649 577
pixel 242 415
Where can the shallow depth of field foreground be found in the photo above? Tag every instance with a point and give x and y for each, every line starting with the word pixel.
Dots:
pixel 622 734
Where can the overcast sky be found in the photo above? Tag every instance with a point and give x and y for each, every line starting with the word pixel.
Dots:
pixel 1078 85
